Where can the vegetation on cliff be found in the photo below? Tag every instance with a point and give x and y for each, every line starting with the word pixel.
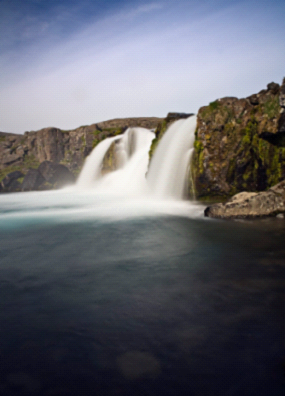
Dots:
pixel 239 145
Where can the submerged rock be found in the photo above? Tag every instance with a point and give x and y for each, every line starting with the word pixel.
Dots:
pixel 251 205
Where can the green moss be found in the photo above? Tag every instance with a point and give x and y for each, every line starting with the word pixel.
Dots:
pixel 271 107
pixel 201 157
pixel 198 146
pixel 230 115
pixel 249 132
pixel 83 141
pixel 214 105
pixel 9 169
pixel 30 161
pixel 2 138
pixel 159 132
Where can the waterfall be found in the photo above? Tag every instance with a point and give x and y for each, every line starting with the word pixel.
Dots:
pixel 92 167
pixel 130 159
pixel 128 154
pixel 167 174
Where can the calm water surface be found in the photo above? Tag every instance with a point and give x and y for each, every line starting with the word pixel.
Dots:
pixel 160 305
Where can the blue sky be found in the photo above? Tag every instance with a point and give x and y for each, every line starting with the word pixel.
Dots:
pixel 69 63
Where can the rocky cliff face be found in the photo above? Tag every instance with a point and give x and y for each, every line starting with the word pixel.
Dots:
pixel 240 144
pixel 23 152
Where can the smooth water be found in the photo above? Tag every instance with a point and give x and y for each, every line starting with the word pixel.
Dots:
pixel 116 287
pixel 139 301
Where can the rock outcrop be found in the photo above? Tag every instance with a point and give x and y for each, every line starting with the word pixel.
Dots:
pixel 251 205
pixel 47 176
pixel 240 144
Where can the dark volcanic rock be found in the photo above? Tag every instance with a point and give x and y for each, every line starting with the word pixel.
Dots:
pixel 8 180
pixel 238 145
pixel 251 205
pixel 56 174
pixel 177 116
pixel 273 87
pixel 281 123
pixel 253 99
pixel 33 180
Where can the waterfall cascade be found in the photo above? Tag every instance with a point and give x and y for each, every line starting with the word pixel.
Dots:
pixel 167 173
pixel 130 159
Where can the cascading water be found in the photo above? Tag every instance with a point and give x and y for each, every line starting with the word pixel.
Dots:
pixel 167 176
pixel 92 168
pixel 131 162
pixel 123 192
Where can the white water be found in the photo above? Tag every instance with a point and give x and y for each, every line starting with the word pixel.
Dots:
pixel 131 152
pixel 167 175
pixel 123 193
pixel 92 168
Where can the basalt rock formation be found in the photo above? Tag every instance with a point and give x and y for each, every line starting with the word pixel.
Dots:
pixel 20 153
pixel 240 144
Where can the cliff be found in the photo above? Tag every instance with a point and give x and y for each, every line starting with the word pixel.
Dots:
pixel 240 144
pixel 20 153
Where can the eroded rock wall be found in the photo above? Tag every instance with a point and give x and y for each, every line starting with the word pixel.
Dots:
pixel 240 144
pixel 69 148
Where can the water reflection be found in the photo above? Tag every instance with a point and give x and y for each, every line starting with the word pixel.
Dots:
pixel 161 305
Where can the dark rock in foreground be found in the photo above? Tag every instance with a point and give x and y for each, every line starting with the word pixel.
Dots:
pixel 48 176
pixel 10 182
pixel 56 174
pixel 251 205
pixel 33 180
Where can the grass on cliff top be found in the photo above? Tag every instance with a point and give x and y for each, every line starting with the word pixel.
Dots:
pixel 271 107
pixel 29 162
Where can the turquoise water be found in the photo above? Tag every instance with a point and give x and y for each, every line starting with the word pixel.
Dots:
pixel 154 304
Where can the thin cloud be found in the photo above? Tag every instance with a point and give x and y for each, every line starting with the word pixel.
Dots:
pixel 142 62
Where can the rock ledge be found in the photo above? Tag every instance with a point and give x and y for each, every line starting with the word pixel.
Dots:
pixel 251 205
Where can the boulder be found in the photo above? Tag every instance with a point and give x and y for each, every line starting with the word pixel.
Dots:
pixel 253 99
pixel 251 205
pixel 33 180
pixel 8 180
pixel 273 87
pixel 56 174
